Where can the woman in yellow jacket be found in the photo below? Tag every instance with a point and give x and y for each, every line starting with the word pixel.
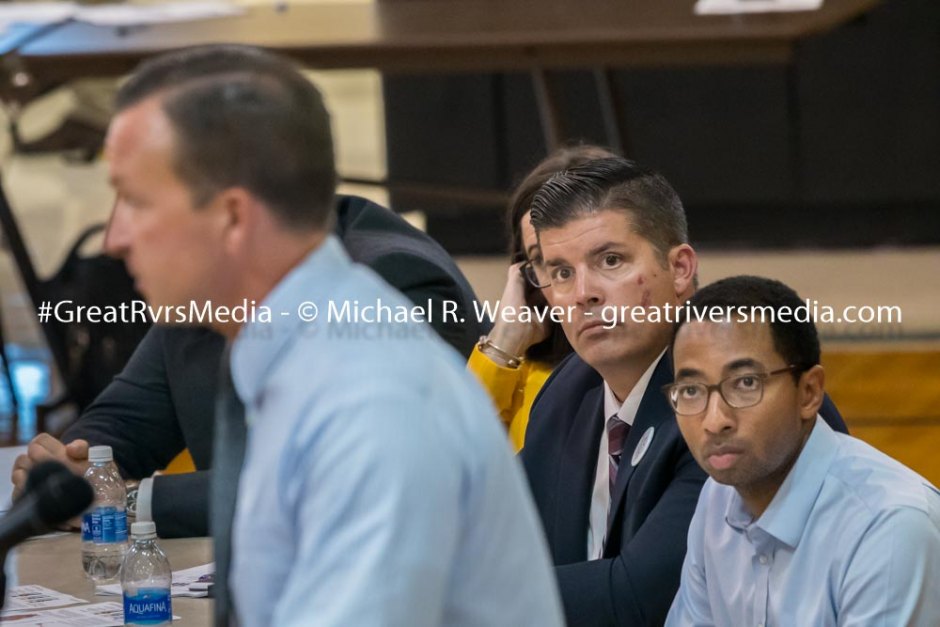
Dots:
pixel 515 359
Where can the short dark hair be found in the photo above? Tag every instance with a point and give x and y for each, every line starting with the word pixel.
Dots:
pixel 797 342
pixel 244 117
pixel 555 347
pixel 619 184
pixel 520 202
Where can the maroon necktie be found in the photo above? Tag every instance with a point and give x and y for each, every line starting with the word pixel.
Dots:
pixel 617 431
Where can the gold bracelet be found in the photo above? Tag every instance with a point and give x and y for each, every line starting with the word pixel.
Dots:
pixel 512 361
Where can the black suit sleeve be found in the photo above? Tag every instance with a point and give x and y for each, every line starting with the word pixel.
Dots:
pixel 637 586
pixel 135 415
pixel 179 504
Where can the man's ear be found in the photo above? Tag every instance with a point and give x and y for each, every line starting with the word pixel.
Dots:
pixel 811 389
pixel 683 263
pixel 236 210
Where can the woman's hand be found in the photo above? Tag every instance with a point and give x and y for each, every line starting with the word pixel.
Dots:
pixel 514 335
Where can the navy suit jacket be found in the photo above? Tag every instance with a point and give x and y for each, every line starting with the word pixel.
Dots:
pixel 650 509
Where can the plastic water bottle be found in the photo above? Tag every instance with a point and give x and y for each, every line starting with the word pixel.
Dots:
pixel 104 526
pixel 145 579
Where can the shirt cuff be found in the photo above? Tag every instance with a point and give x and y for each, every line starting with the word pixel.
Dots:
pixel 144 499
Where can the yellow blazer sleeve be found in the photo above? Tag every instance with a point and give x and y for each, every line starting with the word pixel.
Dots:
pixel 512 390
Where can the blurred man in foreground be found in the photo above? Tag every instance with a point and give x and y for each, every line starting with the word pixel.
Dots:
pixel 376 486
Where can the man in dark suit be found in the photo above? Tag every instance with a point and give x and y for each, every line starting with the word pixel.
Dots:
pixel 613 480
pixel 164 399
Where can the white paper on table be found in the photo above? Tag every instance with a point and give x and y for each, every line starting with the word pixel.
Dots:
pixel 182 580
pixel 133 15
pixel 35 12
pixel 33 597
pixel 731 7
pixel 108 614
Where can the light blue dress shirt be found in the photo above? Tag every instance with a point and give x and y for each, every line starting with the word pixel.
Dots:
pixel 852 538
pixel 378 487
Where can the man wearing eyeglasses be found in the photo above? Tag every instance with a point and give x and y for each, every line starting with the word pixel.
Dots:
pixel 614 482
pixel 798 525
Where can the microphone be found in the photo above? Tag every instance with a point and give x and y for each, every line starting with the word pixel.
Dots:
pixel 56 496
pixel 39 474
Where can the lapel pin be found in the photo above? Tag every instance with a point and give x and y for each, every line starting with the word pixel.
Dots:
pixel 642 446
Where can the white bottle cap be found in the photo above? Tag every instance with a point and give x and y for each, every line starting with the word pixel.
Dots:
pixel 145 529
pixel 100 454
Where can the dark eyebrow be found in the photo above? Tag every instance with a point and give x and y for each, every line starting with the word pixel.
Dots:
pixel 606 246
pixel 746 362
pixel 688 373
pixel 738 364
pixel 554 262
pixel 591 253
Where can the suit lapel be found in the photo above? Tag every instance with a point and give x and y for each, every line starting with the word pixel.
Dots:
pixel 652 412
pixel 578 466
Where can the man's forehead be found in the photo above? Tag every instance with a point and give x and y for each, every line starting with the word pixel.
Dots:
pixel 615 225
pixel 139 136
pixel 141 125
pixel 730 336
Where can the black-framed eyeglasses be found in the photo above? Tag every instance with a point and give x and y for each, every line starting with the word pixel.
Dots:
pixel 738 391
pixel 534 277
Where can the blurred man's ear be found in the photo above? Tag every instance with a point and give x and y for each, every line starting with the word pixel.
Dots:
pixel 236 214
pixel 811 390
